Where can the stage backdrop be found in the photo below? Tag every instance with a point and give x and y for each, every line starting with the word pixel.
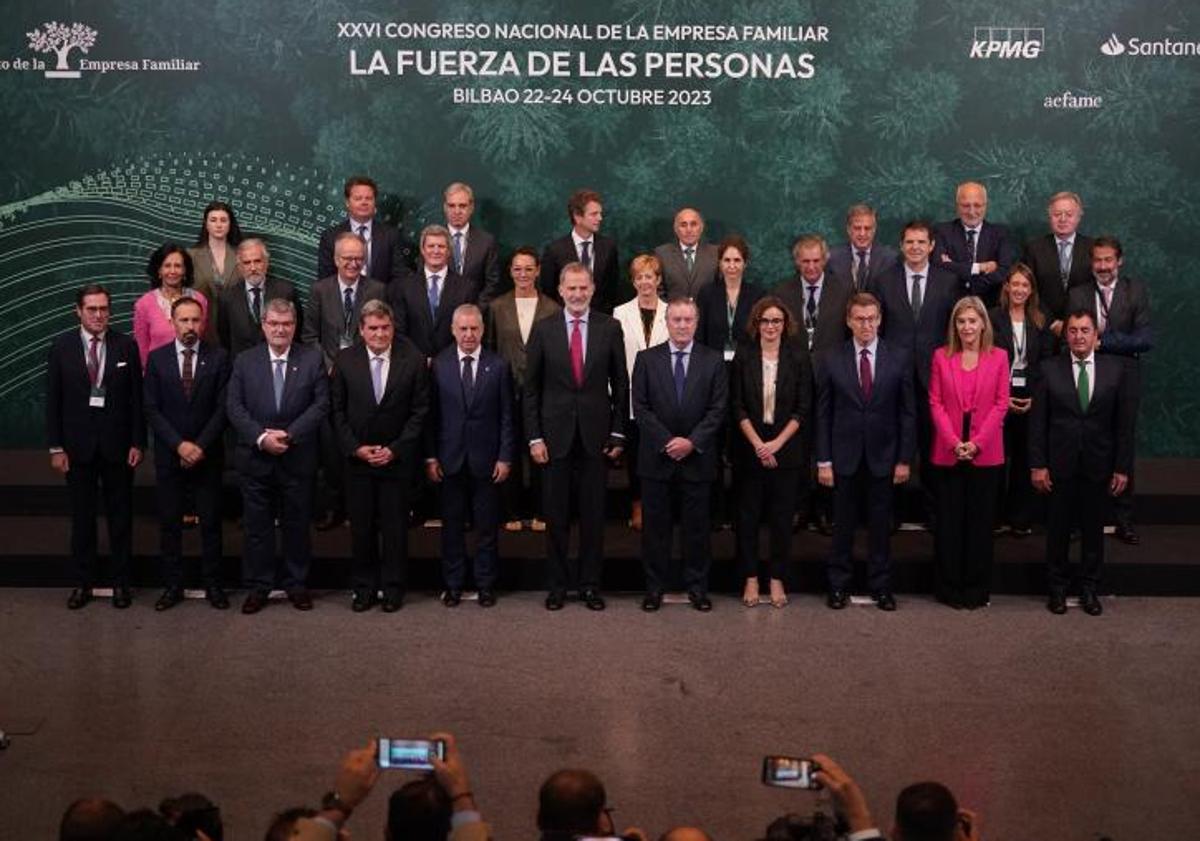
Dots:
pixel 121 119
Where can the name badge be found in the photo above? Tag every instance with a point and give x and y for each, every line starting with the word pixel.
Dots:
pixel 811 333
pixel 1018 378
pixel 96 398
pixel 728 356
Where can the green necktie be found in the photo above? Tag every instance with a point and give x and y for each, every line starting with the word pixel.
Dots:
pixel 1083 385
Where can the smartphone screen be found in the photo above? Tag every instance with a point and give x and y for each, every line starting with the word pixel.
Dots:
pixel 413 754
pixel 788 772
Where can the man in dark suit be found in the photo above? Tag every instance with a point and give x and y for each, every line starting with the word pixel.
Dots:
pixel 184 388
pixel 1080 450
pixel 688 265
pixel 471 442
pixel 576 402
pixel 380 397
pixel 584 244
pixel 473 251
pixel 385 261
pixel 243 302
pixel 1121 308
pixel 862 260
pixel 680 396
pixel 331 319
pixel 865 440
pixel 978 252
pixel 1061 259
pixel 424 302
pixel 277 398
pixel 96 436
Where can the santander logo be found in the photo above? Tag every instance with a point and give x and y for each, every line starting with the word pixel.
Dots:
pixel 1112 46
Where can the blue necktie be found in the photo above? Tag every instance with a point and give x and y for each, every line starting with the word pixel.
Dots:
pixel 434 294
pixel 377 378
pixel 279 363
pixel 347 313
pixel 458 252
pixel 680 375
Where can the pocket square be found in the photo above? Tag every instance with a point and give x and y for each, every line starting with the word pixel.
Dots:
pixel 122 364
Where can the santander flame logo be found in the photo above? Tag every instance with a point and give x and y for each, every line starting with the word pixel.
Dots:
pixel 1112 46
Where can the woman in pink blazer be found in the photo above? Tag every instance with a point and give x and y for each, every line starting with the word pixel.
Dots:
pixel 170 272
pixel 968 398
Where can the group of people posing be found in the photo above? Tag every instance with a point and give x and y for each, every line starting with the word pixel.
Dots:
pixel 989 378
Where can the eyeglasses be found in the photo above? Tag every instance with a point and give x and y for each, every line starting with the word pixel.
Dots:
pixel 770 322
pixel 864 319
pixel 351 259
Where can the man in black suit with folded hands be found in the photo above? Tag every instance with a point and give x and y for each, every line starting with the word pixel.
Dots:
pixel 584 244
pixel 96 435
pixel 1080 449
pixel 576 401
pixel 978 252
pixel 184 388
pixel 384 260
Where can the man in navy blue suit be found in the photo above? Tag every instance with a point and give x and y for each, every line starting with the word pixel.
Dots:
pixel 184 387
pixel 978 252
pixel 471 449
pixel 865 440
pixel 278 395
pixel 862 260
pixel 384 259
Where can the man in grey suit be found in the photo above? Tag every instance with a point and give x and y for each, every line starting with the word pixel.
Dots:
pixel 331 324
pixel 473 251
pixel 244 302
pixel 862 260
pixel 687 264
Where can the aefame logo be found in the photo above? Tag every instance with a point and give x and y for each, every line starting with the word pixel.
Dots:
pixel 1008 42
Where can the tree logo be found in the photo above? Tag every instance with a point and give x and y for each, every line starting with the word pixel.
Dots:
pixel 1112 46
pixel 60 39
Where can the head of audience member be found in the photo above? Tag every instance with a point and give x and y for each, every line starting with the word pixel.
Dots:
pixel 970 328
pixel 861 226
pixel 1082 334
pixel 467 327
pixel 187 318
pixel 682 317
pixel 219 223
pixel 419 811
pixel 793 827
pixel 572 802
pixel 194 814
pixel 770 321
pixel 458 203
pixel 279 324
pixel 689 227
pixel 586 211
pixel 435 248
pixel 90 819
pixel 349 254
pixel 253 260
pixel 576 288
pixel 645 272
pixel 360 192
pixel 971 202
pixel 170 267
pixel 1106 259
pixel 1065 210
pixel 927 812
pixel 283 824
pixel 685 833
pixel 93 309
pixel 1020 291
pixel 810 253
pixel 148 825
pixel 863 315
pixel 916 244
pixel 733 255
pixel 377 326
pixel 523 269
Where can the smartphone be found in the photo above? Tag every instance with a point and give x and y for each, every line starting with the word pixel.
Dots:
pixel 412 754
pixel 789 772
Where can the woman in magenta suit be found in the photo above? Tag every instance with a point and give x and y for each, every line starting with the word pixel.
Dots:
pixel 968 398
pixel 170 272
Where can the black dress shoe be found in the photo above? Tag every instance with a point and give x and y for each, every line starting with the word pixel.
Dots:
pixel 79 597
pixel 884 600
pixel 393 600
pixel 700 601
pixel 301 599
pixel 837 599
pixel 1057 603
pixel 487 597
pixel 331 520
pixel 170 597
pixel 452 598
pixel 651 602
pixel 216 597
pixel 592 599
pixel 255 601
pixel 121 598
pixel 555 600
pixel 1127 535
pixel 1090 604
pixel 362 600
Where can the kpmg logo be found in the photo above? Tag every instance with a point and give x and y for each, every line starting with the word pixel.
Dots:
pixel 60 39
pixel 1008 42
pixel 1112 46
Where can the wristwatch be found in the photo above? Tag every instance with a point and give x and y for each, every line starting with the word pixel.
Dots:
pixel 331 801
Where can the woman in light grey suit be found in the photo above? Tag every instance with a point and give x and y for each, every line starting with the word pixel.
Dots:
pixel 214 256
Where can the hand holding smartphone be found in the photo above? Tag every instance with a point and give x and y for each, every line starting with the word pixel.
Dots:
pixel 410 754
pixel 790 772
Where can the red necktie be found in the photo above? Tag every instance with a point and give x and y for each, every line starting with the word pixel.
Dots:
pixel 864 373
pixel 188 374
pixel 577 352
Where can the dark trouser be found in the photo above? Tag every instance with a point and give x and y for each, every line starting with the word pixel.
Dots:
pixel 522 493
pixel 291 495
pixel 658 529
pixel 928 475
pixel 459 491
pixel 848 492
pixel 1019 501
pixel 632 438
pixel 177 487
pixel 85 481
pixel 775 491
pixel 575 475
pixel 966 507
pixel 333 468
pixel 378 507
pixel 1122 506
pixel 1075 501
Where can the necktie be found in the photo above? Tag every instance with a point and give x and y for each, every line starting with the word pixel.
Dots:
pixel 434 294
pixel 577 351
pixel 971 244
pixel 689 256
pixel 188 375
pixel 1083 385
pixel 347 312
pixel 916 296
pixel 468 378
pixel 278 383
pixel 680 375
pixel 1064 261
pixel 458 252
pixel 585 253
pixel 256 304
pixel 1106 294
pixel 864 373
pixel 377 378
pixel 810 306
pixel 860 276
pixel 362 232
pixel 93 361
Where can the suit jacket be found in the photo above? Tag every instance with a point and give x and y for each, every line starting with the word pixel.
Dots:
pixel 661 416
pixel 324 317
pixel 237 328
pixel 606 268
pixel 882 431
pixel 396 421
pixel 175 418
pixel 387 259
pixel 1041 255
pixel 85 433
pixel 993 243
pixel 481 265
pixel 921 337
pixel 1071 442
pixel 677 281
pixel 880 261
pixel 1039 342
pixel 629 316
pixel 1127 332
pixel 555 407
pixel 410 301
pixel 713 304
pixel 477 434
pixel 250 404
pixel 793 400
pixel 210 279
pixel 503 331
pixel 831 330
pixel 946 407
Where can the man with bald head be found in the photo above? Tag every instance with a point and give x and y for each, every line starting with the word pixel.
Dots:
pixel 90 819
pixel 687 263
pixel 978 252
pixel 572 803
pixel 685 833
